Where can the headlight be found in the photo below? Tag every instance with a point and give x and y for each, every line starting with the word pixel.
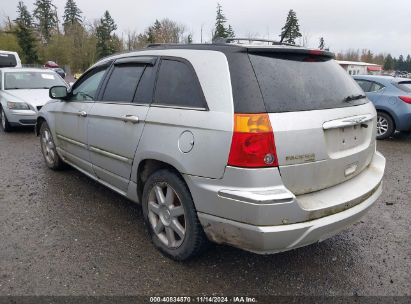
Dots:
pixel 17 105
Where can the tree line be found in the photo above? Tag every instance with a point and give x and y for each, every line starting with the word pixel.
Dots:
pixel 40 36
pixel 387 61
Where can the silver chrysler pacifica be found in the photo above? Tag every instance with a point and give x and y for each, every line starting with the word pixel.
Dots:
pixel 262 147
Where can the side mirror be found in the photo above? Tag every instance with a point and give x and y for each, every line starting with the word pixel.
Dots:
pixel 58 92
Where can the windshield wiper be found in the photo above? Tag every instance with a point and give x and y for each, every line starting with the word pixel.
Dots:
pixel 354 97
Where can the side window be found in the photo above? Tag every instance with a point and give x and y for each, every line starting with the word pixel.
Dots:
pixel 364 84
pixel 123 82
pixel 375 87
pixel 177 85
pixel 86 90
pixel 145 89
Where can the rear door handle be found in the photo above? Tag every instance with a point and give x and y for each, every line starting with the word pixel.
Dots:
pixel 130 118
pixel 82 113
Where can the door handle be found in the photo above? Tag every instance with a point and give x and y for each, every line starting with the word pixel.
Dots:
pixel 82 113
pixel 130 118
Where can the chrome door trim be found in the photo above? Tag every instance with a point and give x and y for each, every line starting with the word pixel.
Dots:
pixel 347 122
pixel 111 155
pixel 72 141
pixel 88 174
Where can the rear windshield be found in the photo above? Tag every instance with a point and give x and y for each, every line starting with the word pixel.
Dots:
pixel 31 80
pixel 405 86
pixel 302 82
pixel 7 60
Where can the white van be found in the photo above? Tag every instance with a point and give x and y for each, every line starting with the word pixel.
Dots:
pixel 9 59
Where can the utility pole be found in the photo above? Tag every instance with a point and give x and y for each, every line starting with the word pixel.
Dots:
pixel 202 25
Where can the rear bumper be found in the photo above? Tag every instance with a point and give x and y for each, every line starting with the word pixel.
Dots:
pixel 272 239
pixel 252 209
pixel 404 121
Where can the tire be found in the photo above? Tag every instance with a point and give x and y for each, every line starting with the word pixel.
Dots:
pixel 385 126
pixel 5 125
pixel 48 149
pixel 171 219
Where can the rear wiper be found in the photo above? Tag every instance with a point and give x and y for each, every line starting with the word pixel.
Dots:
pixel 354 97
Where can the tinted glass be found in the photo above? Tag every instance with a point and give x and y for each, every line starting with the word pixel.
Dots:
pixel 123 83
pixel 177 85
pixel 31 80
pixel 86 90
pixel 296 82
pixel 376 87
pixel 7 60
pixel 405 86
pixel 144 94
pixel 364 84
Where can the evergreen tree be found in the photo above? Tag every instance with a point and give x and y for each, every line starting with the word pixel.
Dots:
pixel 291 29
pixel 189 39
pixel 322 44
pixel 107 42
pixel 230 32
pixel 408 64
pixel 221 31
pixel 388 63
pixel 24 34
pixel 24 17
pixel 72 15
pixel 400 63
pixel 45 12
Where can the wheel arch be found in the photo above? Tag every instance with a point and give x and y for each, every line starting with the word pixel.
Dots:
pixel 39 122
pixel 393 117
pixel 148 166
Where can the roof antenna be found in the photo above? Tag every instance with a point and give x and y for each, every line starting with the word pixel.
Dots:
pixel 285 33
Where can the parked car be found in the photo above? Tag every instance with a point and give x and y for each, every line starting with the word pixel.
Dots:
pixel 263 148
pixel 60 71
pixel 392 99
pixel 51 64
pixel 22 94
pixel 9 59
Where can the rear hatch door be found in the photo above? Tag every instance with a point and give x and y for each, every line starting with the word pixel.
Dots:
pixel 324 127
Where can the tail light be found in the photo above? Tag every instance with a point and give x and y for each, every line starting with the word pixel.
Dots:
pixel 406 99
pixel 253 143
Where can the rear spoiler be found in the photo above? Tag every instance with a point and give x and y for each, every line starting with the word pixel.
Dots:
pixel 291 50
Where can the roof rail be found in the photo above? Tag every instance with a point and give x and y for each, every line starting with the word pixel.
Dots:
pixel 250 40
pixel 153 45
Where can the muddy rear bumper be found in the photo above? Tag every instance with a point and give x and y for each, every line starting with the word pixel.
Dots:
pixel 272 239
pixel 271 219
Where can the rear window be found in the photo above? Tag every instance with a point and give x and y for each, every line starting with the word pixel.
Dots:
pixel 177 85
pixel 302 82
pixel 7 60
pixel 405 86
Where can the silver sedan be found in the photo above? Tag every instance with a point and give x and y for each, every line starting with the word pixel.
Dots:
pixel 23 92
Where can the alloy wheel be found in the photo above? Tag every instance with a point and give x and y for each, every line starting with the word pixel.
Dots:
pixel 3 119
pixel 166 215
pixel 382 126
pixel 48 146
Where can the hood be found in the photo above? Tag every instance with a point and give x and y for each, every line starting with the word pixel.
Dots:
pixel 37 97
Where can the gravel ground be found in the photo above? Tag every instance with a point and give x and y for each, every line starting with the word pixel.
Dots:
pixel 64 234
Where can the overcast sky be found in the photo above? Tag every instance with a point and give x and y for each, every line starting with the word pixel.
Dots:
pixel 379 25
